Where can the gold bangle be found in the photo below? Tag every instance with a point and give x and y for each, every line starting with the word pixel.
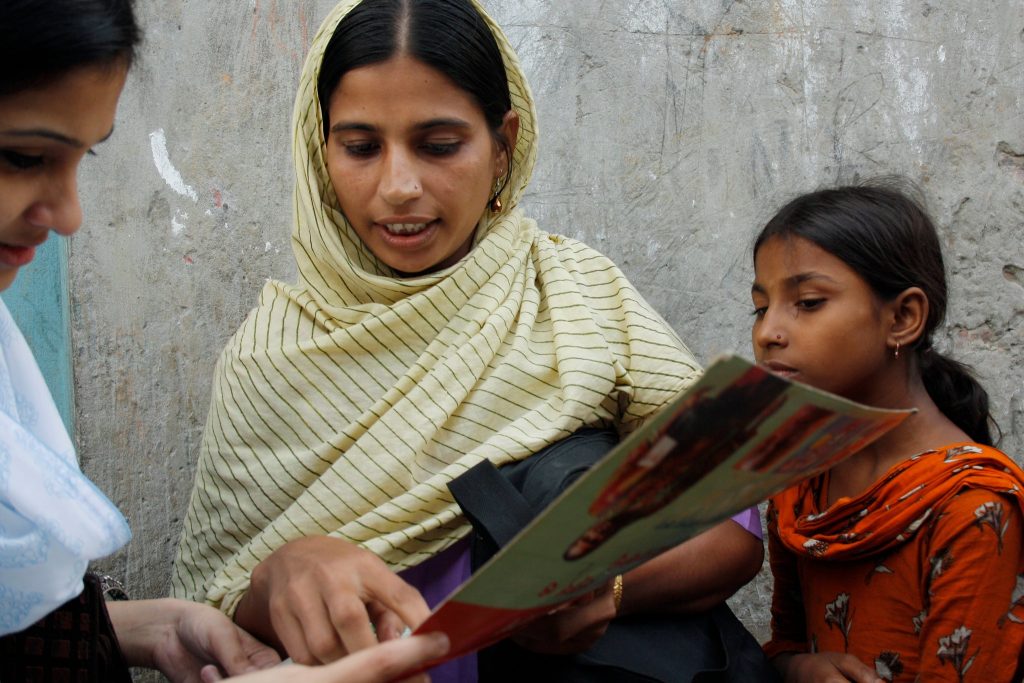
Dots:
pixel 617 592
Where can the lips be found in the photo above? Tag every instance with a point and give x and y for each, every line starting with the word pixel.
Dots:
pixel 405 225
pixel 405 228
pixel 14 256
pixel 780 369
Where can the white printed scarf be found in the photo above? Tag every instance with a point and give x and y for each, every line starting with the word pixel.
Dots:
pixel 53 520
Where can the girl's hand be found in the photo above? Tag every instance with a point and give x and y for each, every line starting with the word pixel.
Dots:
pixel 321 598
pixel 377 664
pixel 182 639
pixel 573 628
pixel 825 667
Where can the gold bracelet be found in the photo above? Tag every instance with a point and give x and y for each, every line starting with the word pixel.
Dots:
pixel 617 592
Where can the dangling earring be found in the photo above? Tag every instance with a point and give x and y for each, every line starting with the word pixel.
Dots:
pixel 496 199
pixel 896 353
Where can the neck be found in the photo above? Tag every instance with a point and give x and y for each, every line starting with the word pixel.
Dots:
pixel 926 429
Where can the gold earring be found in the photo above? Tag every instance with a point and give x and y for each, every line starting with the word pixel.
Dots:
pixel 496 199
pixel 896 353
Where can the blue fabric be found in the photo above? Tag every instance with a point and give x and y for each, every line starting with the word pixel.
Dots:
pixel 53 520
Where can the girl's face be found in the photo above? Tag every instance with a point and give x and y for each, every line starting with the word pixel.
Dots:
pixel 818 322
pixel 413 162
pixel 44 133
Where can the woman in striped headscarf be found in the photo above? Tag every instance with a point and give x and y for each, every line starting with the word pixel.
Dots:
pixel 433 326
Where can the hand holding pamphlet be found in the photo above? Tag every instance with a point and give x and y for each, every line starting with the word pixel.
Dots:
pixel 733 439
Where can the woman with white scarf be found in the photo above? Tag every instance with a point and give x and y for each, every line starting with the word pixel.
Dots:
pixel 433 326
pixel 63 64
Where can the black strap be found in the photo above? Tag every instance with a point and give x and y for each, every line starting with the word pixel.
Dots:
pixel 495 508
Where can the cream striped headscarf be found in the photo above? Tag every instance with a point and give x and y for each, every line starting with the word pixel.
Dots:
pixel 346 402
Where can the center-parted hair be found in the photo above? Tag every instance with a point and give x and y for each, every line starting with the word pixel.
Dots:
pixel 889 240
pixel 447 35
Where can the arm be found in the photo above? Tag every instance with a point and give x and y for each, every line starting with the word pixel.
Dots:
pixel 182 639
pixel 696 575
pixel 691 577
pixel 977 557
pixel 320 598
pixel 378 664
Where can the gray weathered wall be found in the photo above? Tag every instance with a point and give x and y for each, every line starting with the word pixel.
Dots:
pixel 670 132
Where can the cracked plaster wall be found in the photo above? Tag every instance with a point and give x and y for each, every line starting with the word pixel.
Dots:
pixel 669 130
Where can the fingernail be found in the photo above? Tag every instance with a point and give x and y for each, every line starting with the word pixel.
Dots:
pixel 440 642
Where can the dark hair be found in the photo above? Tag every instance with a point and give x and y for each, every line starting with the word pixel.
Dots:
pixel 887 238
pixel 448 35
pixel 41 40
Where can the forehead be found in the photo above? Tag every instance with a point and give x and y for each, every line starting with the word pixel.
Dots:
pixel 401 89
pixel 80 105
pixel 790 260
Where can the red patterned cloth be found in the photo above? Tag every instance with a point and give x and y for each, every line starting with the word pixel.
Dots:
pixel 920 576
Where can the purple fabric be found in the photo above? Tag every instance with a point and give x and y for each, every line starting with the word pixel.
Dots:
pixel 436 579
pixel 439 576
pixel 750 519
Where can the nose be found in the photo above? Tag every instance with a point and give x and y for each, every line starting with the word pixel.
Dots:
pixel 768 331
pixel 59 209
pixel 399 182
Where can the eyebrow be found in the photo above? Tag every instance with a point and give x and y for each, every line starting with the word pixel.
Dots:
pixel 797 279
pixel 424 125
pixel 52 135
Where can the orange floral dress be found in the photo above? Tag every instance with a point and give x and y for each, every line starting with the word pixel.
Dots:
pixel 921 576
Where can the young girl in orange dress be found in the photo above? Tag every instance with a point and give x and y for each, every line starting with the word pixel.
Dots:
pixel 904 562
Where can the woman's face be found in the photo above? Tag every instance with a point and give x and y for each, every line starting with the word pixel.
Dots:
pixel 44 133
pixel 818 322
pixel 413 162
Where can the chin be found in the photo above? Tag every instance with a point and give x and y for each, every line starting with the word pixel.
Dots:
pixel 7 279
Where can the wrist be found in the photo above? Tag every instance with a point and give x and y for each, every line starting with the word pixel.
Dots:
pixel 783 663
pixel 141 625
pixel 112 589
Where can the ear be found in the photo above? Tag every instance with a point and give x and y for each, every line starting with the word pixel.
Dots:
pixel 909 316
pixel 508 132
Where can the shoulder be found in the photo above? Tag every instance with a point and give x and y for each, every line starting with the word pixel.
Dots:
pixel 586 264
pixel 283 314
pixel 983 520
pixel 603 286
pixel 659 363
pixel 973 449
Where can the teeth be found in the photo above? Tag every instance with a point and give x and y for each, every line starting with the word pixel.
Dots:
pixel 405 228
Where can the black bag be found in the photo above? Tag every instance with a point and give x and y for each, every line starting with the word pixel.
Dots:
pixel 710 647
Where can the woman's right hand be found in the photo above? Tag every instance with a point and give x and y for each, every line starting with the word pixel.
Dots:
pixel 378 664
pixel 320 598
pixel 825 667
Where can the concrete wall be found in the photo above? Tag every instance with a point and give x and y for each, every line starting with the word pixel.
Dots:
pixel 670 132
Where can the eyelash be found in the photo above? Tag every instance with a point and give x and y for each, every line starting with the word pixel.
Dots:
pixel 27 162
pixel 368 149
pixel 21 162
pixel 440 149
pixel 360 149
pixel 802 304
pixel 810 304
